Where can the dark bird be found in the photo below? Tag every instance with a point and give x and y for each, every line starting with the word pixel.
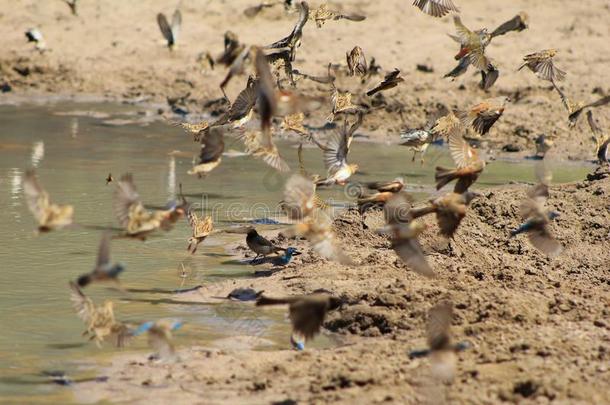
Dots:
pixel 160 337
pixel 323 14
pixel 306 312
pixel 469 165
pixel 450 209
pixel 232 49
pixel 244 294
pixel 240 112
pixel 260 245
pixel 210 156
pixel 109 178
pixel 541 63
pixel 49 216
pixel 436 8
pixel 573 117
pixel 403 233
pixel 293 40
pixel 383 191
pixel 390 81
pixel 253 11
pixel 104 270
pixel 356 62
pixel 602 140
pixel 170 33
pixel 518 23
pixel 543 143
pixel 266 101
pixel 441 349
pixel 537 218
pixel 280 260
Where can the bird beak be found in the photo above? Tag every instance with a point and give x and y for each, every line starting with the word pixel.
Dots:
pixel 296 253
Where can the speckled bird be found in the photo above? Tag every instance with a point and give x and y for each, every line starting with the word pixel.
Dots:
pixel 104 270
pixel 541 63
pixel 323 14
pixel 49 216
pixel 483 116
pixel 201 228
pixel 356 62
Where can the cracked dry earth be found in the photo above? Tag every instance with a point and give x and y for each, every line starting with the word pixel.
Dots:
pixel 540 328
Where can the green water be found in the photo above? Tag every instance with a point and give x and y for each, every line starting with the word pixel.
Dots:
pixel 73 153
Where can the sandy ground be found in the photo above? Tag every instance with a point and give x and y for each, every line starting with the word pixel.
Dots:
pixel 114 49
pixel 540 328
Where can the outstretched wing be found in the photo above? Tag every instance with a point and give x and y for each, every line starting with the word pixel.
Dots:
pixel 103 252
pixel 125 195
pixel 176 24
pixel 165 28
pixel 82 304
pixel 36 197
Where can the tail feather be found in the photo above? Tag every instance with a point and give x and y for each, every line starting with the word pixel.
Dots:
pixel 444 176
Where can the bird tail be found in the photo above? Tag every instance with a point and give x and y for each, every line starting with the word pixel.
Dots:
pixel 264 300
pixel 444 176
pixel 84 280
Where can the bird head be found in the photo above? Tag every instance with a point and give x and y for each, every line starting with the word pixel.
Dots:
pixel 292 251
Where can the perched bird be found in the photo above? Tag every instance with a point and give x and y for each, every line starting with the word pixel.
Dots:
pixel 537 218
pixel 450 209
pixel 575 113
pixel 109 178
pixel 482 116
pixel 441 349
pixel 201 228
pixel 133 217
pixel 390 81
pixel 403 233
pixel 293 40
pixel 306 312
pixel 518 23
pixel 170 33
pixel 544 143
pixel 436 8
pixel 104 270
pixel 469 165
pixel 100 322
pixel 472 44
pixel 541 63
pixel 160 337
pixel 335 155
pixel 34 35
pixel 261 245
pixel 72 4
pixel 602 141
pixel 323 14
pixel 48 215
pixel 356 62
pixel 210 156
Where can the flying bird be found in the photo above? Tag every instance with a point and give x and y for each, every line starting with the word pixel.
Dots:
pixel 210 155
pixel 323 14
pixel 575 113
pixel 293 40
pixel 541 63
pixel 104 270
pixel 469 165
pixel 450 209
pixel 543 143
pixel 170 32
pixel 390 81
pixel 383 191
pixel 201 228
pixel 483 116
pixel 48 215
pixel 72 4
pixel 160 337
pixel 602 140
pixel 518 23
pixel 34 35
pixel 299 197
pixel 436 8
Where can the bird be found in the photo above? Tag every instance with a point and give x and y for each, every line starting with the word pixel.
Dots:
pixel 241 110
pixel 232 49
pixel 441 349
pixel 341 103
pixel 518 23
pixel 244 294
pixel 299 197
pixel 49 216
pixel 160 337
pixel 201 228
pixel 449 208
pixel 136 220
pixel 390 81
pixel 544 143
pixel 34 35
pixel 403 233
pixel 483 116
pixel 383 191
pixel 472 44
pixel 575 113
pixel 195 129
pixel 602 141
pixel 280 260
pixel 306 312
pixel 541 63
pixel 104 270
pixel 393 186
pixel 109 179
pixel 537 217
pixel 99 321
pixel 469 165
pixel 170 33
pixel 356 62
pixel 417 140
pixel 253 11
pixel 260 145
pixel 323 14
pixel 294 122
pixel 335 155
pixel 436 8
pixel 261 245
pixel 72 4
pixel 210 155
pixel 293 40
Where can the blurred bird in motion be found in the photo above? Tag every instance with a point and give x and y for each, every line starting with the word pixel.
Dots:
pixel 48 215
pixel 575 113
pixel 450 209
pixel 160 337
pixel 201 228
pixel 518 23
pixel 104 270
pixel 170 32
pixel 602 140
pixel 306 313
pixel 72 4
pixel 109 178
pixel 34 35
pixel 483 116
pixel 469 165
pixel 210 155
pixel 543 143
pixel 436 8
pixel 390 81
pixel 541 63
pixel 441 349
pixel 383 191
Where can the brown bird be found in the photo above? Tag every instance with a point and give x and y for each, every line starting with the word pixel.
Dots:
pixel 581 107
pixel 104 270
pixel 403 233
pixel 236 67
pixel 49 216
pixel 232 49
pixel 436 8
pixel 472 44
pixel 299 197
pixel 450 209
pixel 518 23
pixel 390 81
pixel 242 108
pixel 341 103
pixel 317 228
pixel 170 33
pixel 483 116
pixel 253 11
pixel 294 122
pixel 469 165
pixel 201 228
pixel 210 156
pixel 306 312
pixel 195 129
pixel 602 141
pixel 356 62
pixel 541 63
pixel 267 104
pixel 323 14
pixel 383 191
pixel 544 143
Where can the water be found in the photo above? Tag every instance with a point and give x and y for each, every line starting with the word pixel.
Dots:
pixel 73 153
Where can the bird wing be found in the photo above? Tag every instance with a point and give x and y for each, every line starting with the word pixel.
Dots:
pixel 159 340
pixel 485 120
pixel 439 322
pixel 411 253
pixel 593 124
pixel 125 195
pixel 478 58
pixel 103 252
pixel 448 221
pixel 299 195
pixel 396 210
pixel 307 316
pixel 514 24
pixel 546 69
pixel 435 8
pixel 212 145
pixel 176 24
pixel 598 103
pixel 36 197
pixel 335 151
pixel 165 28
pixel 245 101
pixel 462 31
pixel 267 105
pixel 82 304
pixel 542 240
pixel 460 151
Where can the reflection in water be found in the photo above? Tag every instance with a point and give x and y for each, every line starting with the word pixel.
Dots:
pixel 37 153
pixel 15 177
pixel 74 127
pixel 171 179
